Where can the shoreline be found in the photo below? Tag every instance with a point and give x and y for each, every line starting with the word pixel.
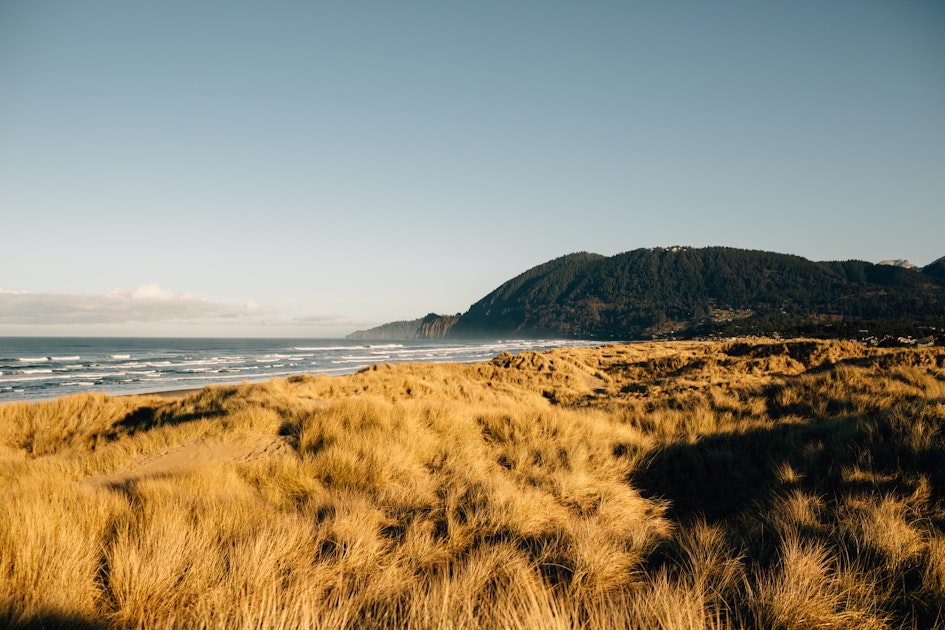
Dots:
pixel 170 394
pixel 32 370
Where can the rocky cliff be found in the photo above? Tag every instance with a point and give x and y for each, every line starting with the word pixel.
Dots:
pixel 436 326
pixel 432 326
pixel 406 329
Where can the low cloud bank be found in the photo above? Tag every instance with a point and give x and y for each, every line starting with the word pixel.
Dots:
pixel 148 304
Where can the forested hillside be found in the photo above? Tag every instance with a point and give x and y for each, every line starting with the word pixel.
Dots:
pixel 936 269
pixel 688 292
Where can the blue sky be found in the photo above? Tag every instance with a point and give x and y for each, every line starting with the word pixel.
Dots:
pixel 307 168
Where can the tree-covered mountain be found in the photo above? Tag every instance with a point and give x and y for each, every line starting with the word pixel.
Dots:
pixel 936 269
pixel 689 291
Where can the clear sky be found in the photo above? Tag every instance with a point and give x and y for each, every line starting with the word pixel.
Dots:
pixel 307 168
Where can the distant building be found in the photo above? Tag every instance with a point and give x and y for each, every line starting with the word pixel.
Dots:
pixel 899 262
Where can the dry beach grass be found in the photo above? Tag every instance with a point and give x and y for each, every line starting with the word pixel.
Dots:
pixel 751 484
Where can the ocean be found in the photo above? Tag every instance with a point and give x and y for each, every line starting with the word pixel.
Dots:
pixel 37 368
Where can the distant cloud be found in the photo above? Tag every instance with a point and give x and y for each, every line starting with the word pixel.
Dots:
pixel 151 292
pixel 152 310
pixel 147 303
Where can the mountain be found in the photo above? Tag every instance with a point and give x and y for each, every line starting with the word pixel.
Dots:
pixel 432 326
pixel 686 291
pixel 936 269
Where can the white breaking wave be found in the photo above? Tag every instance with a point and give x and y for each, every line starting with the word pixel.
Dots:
pixel 281 357
pixel 320 348
pixel 24 379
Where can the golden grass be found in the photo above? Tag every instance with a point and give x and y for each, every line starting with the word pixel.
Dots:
pixel 764 484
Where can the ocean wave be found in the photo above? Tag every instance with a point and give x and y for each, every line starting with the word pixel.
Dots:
pixel 49 376
pixel 33 359
pixel 193 362
pixel 119 356
pixel 431 352
pixel 270 359
pixel 320 348
pixel 24 379
pixel 88 375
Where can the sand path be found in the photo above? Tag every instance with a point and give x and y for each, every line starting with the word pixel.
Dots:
pixel 197 454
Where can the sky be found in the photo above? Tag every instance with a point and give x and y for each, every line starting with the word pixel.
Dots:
pixel 291 168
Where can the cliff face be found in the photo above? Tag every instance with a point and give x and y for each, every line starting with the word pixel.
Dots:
pixel 394 330
pixel 436 326
pixel 432 326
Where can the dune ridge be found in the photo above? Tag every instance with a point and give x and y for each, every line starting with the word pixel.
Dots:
pixel 750 483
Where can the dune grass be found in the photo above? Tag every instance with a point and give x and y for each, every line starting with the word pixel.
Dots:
pixel 679 485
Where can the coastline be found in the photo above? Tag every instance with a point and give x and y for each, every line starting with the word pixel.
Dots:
pixel 170 394
pixel 40 369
